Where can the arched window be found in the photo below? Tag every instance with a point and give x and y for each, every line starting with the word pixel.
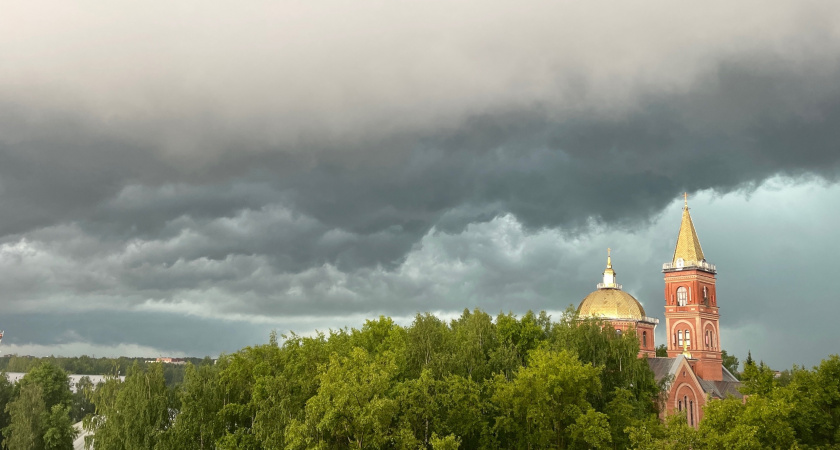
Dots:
pixel 644 339
pixel 682 296
pixel 705 295
pixel 680 403
pixel 708 338
pixel 679 338
pixel 618 332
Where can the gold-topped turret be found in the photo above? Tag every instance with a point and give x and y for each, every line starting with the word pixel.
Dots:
pixel 609 301
pixel 687 251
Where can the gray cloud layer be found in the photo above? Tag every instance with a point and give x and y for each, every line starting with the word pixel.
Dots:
pixel 304 160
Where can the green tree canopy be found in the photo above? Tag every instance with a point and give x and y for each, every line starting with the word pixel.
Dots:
pixel 477 382
pixel 131 415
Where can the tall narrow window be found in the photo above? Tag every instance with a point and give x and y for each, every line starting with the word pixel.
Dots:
pixel 644 339
pixel 679 338
pixel 682 296
pixel 680 403
pixel 685 402
pixel 688 338
pixel 691 411
pixel 708 338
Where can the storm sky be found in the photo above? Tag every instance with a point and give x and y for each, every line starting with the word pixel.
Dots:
pixel 181 178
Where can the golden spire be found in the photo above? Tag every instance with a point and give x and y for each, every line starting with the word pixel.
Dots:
pixel 688 245
pixel 609 274
pixel 609 270
pixel 685 352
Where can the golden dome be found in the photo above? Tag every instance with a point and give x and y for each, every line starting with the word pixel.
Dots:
pixel 611 303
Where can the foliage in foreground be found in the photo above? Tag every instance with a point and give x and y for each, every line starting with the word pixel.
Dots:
pixel 38 410
pixel 473 383
pixel 800 412
pixel 476 382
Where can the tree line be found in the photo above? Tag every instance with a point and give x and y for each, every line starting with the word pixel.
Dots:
pixel 472 383
pixel 87 365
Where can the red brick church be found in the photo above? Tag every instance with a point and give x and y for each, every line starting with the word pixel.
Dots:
pixel 694 366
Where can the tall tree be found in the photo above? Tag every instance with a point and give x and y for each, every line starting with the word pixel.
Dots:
pixel 756 378
pixel 427 342
pixel 539 406
pixel 815 396
pixel 82 404
pixel 730 362
pixel 352 405
pixel 27 411
pixel 7 391
pixel 476 339
pixel 59 432
pixel 661 351
pixel 463 406
pixel 419 410
pixel 132 415
pixel 615 354
pixel 40 416
pixel 197 425
pixel 54 382
pixel 239 373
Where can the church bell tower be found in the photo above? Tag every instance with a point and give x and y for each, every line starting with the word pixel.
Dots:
pixel 691 311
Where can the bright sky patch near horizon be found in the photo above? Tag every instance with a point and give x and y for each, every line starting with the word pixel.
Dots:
pixel 181 178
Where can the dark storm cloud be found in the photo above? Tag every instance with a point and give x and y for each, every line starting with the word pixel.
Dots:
pixel 283 213
pixel 548 171
pixel 203 164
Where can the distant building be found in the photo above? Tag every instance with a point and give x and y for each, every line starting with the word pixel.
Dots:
pixel 694 366
pixel 167 360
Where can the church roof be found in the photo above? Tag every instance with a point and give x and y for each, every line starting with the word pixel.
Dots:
pixel 721 389
pixel 688 245
pixel 724 388
pixel 663 367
